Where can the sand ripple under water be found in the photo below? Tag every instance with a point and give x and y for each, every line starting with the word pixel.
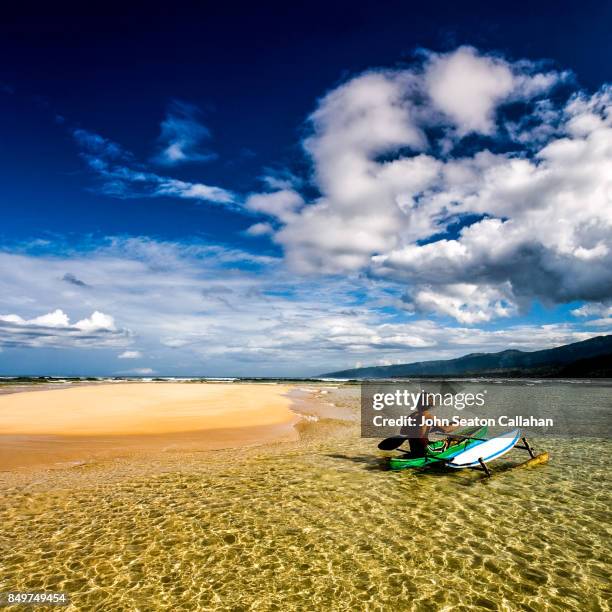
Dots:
pixel 318 526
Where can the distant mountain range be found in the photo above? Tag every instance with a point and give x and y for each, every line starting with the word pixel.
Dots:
pixel 588 359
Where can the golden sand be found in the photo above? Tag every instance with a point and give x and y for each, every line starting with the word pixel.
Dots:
pixel 75 424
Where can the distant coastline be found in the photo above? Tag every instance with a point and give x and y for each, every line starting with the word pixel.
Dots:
pixel 587 359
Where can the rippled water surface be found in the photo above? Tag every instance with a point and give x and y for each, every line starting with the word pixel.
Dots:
pixel 317 525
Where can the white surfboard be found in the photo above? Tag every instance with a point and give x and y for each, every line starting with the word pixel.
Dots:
pixel 490 449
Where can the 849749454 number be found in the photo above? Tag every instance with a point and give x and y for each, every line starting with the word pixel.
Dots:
pixel 34 598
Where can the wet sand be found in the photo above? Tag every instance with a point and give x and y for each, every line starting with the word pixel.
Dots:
pixel 80 423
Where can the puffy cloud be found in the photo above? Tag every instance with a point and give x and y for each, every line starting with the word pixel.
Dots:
pixel 546 228
pixel 468 86
pixel 182 136
pixel 473 232
pixel 55 330
pixel 53 319
pixel 594 309
pixel 130 355
pixel 281 204
pixel 260 229
pixel 96 322
pixel 464 302
pixel 603 312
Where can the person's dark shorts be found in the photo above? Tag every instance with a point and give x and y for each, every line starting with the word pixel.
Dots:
pixel 418 447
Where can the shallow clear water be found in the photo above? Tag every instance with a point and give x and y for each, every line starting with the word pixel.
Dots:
pixel 316 525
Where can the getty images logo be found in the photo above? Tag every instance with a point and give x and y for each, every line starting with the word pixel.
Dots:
pixel 403 398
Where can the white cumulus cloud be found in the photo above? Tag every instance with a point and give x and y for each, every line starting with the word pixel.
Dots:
pixel 130 355
pixel 55 330
pixel 474 232
pixel 468 86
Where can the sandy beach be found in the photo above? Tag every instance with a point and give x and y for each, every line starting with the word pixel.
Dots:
pixel 77 424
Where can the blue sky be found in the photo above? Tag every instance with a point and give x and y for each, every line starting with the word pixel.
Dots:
pixel 289 190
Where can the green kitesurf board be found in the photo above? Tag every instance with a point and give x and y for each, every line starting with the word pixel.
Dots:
pixel 436 451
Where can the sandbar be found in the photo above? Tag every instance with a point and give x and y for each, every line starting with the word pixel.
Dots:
pixel 79 423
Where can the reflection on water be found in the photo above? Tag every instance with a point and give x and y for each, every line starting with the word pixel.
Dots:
pixel 318 525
